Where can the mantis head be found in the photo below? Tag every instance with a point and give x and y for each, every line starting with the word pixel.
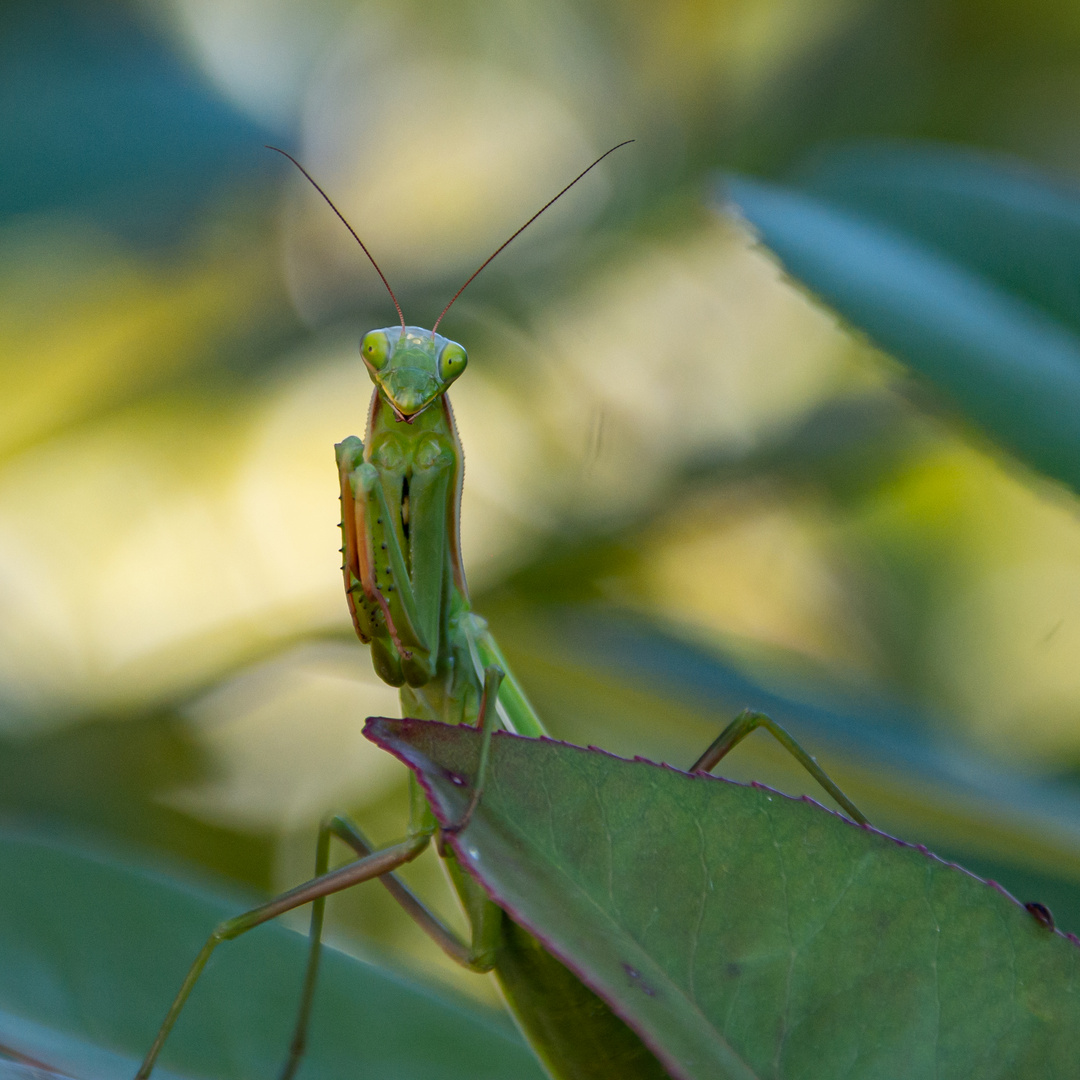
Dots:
pixel 411 367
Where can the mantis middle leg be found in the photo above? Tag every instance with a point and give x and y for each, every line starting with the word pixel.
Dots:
pixel 743 725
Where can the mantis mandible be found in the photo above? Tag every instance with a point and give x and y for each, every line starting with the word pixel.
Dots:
pixel 408 598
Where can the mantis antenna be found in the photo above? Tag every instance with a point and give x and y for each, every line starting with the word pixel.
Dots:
pixel 519 231
pixel 330 203
pixel 472 277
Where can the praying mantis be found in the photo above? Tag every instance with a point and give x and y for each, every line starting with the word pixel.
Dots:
pixel 408 598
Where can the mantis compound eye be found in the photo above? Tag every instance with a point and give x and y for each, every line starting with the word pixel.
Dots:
pixel 375 349
pixel 452 361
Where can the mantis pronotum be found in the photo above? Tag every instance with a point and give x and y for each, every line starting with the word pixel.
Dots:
pixel 407 594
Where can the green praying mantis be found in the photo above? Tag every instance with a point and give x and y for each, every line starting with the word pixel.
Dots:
pixel 407 595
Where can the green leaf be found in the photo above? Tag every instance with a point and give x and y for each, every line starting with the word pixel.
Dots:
pixel 964 270
pixel 994 216
pixel 93 950
pixel 746 934
pixel 14 1070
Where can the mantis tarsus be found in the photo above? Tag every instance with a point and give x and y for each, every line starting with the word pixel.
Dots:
pixel 407 594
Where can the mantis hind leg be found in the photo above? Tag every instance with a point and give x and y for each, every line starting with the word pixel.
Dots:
pixel 372 865
pixel 311 973
pixel 478 955
pixel 743 725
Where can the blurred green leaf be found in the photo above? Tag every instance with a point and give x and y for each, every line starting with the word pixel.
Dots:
pixel 714 916
pixel 101 116
pixel 14 1070
pixel 996 217
pixel 955 266
pixel 93 950
pixel 110 776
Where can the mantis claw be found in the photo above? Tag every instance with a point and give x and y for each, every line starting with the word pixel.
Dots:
pixel 377 596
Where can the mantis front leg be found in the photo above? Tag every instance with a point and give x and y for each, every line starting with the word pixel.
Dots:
pixel 395 500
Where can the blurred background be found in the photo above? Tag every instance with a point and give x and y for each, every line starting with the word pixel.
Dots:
pixel 688 487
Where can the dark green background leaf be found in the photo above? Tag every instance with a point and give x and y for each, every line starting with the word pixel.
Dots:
pixel 997 217
pixel 743 933
pixel 92 951
pixel 962 267
pixel 14 1070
